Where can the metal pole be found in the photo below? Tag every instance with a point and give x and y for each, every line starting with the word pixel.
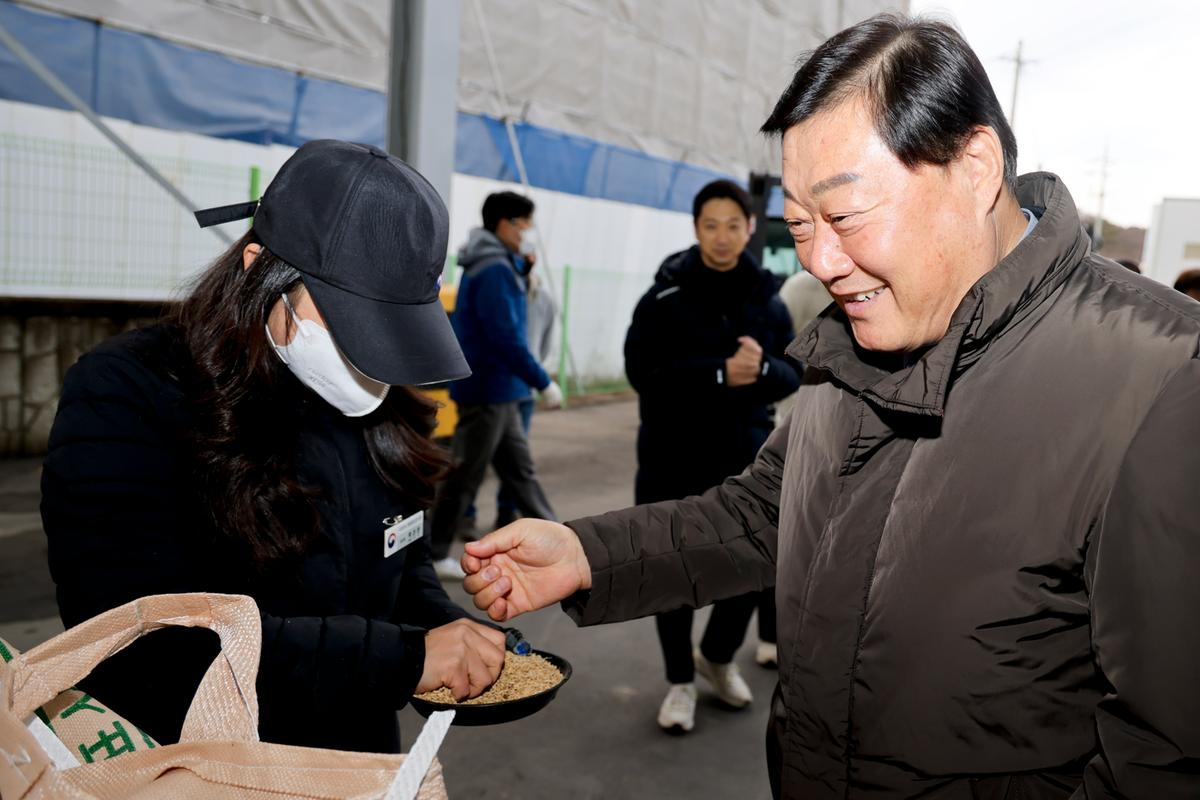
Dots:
pixel 494 65
pixel 399 87
pixel 62 90
pixel 518 158
pixel 563 337
pixel 422 87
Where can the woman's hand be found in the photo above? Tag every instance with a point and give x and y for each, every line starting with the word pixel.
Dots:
pixel 465 656
pixel 525 566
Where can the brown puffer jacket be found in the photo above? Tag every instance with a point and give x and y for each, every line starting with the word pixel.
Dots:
pixel 988 561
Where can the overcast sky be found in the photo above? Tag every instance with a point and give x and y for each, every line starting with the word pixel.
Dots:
pixel 1125 73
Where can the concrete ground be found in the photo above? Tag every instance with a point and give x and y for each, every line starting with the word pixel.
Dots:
pixel 599 737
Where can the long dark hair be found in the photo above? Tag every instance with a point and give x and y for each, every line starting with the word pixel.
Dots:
pixel 244 443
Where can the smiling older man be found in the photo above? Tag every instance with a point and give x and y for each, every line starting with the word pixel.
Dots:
pixel 985 547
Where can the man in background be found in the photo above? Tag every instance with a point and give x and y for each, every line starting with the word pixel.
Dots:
pixel 1188 282
pixel 540 329
pixel 542 312
pixel 705 354
pixel 805 298
pixel 490 320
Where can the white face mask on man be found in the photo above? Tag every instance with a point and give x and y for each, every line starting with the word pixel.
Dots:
pixel 316 361
pixel 528 244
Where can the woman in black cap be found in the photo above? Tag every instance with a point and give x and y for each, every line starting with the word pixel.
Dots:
pixel 263 440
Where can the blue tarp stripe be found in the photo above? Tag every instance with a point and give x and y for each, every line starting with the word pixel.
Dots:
pixel 153 82
pixel 67 46
pixel 578 165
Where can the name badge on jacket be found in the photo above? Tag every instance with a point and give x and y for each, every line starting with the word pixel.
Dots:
pixel 401 532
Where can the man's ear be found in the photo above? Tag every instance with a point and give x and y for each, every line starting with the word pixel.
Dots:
pixel 982 159
pixel 753 224
pixel 250 253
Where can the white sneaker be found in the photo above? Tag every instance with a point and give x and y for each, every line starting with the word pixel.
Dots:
pixel 448 569
pixel 767 654
pixel 677 714
pixel 726 681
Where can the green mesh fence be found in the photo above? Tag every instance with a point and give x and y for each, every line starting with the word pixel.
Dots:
pixel 82 220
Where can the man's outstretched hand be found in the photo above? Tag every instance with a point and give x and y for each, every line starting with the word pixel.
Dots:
pixel 525 566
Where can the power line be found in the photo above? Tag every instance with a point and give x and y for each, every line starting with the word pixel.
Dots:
pixel 52 81
pixel 519 161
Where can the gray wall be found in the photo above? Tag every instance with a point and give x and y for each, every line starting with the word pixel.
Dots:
pixel 39 341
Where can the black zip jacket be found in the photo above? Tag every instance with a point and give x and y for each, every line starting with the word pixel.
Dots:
pixel 343 629
pixel 696 430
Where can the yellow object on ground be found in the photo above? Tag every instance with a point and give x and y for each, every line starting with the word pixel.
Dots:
pixel 447 418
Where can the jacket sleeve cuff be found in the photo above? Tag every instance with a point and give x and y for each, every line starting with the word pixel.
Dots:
pixel 588 607
pixel 412 664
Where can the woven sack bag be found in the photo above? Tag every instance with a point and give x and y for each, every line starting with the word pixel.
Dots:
pixel 218 755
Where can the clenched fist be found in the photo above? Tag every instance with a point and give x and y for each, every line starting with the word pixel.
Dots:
pixel 744 366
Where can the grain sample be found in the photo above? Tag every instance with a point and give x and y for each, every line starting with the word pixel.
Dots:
pixel 522 676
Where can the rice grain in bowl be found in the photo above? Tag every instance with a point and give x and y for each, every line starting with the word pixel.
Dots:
pixel 526 685
pixel 522 676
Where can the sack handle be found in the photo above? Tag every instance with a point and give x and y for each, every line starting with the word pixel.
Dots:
pixel 226 703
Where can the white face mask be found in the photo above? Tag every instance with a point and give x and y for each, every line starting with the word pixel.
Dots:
pixel 316 361
pixel 528 244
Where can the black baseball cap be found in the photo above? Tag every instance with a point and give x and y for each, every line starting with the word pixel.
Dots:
pixel 368 233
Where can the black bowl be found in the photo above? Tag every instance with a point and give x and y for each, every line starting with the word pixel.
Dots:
pixel 496 713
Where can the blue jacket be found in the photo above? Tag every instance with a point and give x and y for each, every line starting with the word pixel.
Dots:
pixel 489 319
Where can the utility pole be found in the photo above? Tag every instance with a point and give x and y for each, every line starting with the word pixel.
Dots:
pixel 1098 222
pixel 1018 64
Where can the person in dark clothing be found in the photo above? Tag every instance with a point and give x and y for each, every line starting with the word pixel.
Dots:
pixel 984 552
pixel 1188 282
pixel 262 440
pixel 490 319
pixel 707 345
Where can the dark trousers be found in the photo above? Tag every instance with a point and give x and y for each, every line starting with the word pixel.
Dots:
pixel 722 637
pixel 486 434
pixel 766 616
pixel 506 502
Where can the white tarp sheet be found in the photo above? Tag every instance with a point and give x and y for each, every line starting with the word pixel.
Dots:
pixel 688 80
pixel 344 40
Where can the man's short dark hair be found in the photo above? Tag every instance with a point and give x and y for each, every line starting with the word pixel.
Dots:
pixel 1188 281
pixel 724 190
pixel 924 86
pixel 505 205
